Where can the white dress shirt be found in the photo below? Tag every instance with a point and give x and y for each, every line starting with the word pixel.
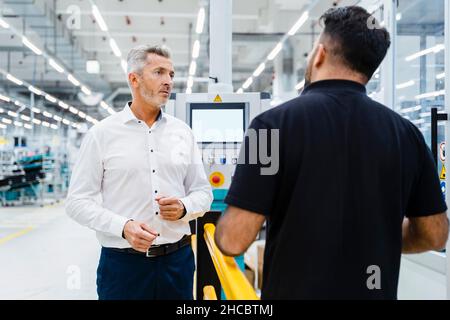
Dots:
pixel 129 164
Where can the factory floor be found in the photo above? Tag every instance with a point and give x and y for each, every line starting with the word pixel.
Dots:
pixel 46 255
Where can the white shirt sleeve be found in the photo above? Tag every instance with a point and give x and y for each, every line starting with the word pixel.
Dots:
pixel 198 189
pixel 85 189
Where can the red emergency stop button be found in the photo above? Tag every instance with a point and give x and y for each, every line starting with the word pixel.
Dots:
pixel 216 179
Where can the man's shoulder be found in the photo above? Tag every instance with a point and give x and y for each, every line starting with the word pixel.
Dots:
pixel 179 124
pixel 105 124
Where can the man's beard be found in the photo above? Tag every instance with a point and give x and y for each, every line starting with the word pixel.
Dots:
pixel 148 97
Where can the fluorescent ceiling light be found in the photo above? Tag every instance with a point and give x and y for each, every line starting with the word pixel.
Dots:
pixel 93 67
pixel 86 90
pixel 196 49
pixel 418 121
pixel 440 76
pixel 200 21
pixel 31 46
pixel 299 23
pixel 25 118
pixel 115 48
pixel 18 124
pixel 406 84
pixel 240 90
pixel 7 121
pixel 54 126
pixel 47 114
pixel 28 126
pixel 35 90
pixel 55 66
pixel 45 124
pixel 399 16
pixel 50 98
pixel 2 126
pixel 5 98
pixel 124 65
pixel 190 82
pixel 4 24
pixel 66 122
pixel 419 54
pixel 430 95
pixel 300 85
pixel 35 110
pixel 12 114
pixel 275 51
pixel 2 110
pixel 104 105
pixel 247 83
pixel 74 81
pixel 14 79
pixel 82 115
pixel 412 109
pixel 73 110
pixel 36 121
pixel 63 105
pixel 98 17
pixel 192 68
pixel 111 110
pixel 259 70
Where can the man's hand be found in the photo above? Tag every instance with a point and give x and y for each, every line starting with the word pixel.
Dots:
pixel 139 235
pixel 170 208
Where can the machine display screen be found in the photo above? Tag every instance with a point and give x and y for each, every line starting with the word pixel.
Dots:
pixel 218 123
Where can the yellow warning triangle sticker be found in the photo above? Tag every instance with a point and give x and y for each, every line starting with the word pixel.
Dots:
pixel 217 99
pixel 442 176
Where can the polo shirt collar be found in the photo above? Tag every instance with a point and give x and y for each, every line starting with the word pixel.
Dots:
pixel 330 85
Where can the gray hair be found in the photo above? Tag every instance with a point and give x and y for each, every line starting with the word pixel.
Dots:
pixel 137 57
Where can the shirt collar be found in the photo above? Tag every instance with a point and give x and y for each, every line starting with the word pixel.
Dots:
pixel 128 115
pixel 333 85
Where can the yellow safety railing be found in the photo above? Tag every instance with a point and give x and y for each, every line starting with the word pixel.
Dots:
pixel 209 293
pixel 233 281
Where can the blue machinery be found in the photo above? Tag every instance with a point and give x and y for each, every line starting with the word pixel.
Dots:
pixel 30 178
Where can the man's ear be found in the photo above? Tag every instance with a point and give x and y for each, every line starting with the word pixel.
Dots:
pixel 133 79
pixel 319 59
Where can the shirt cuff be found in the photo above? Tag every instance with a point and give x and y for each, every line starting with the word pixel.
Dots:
pixel 117 225
pixel 187 205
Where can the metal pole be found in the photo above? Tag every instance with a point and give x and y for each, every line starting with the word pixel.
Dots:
pixel 220 48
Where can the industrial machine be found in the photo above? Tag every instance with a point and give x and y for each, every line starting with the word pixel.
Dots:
pixel 219 122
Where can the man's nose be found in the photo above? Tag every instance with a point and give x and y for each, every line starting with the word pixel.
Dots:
pixel 168 81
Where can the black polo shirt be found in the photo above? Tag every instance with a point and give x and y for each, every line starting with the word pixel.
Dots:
pixel 350 169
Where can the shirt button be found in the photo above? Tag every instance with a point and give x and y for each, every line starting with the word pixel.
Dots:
pixel 151 150
pixel 154 171
pixel 156 191
pixel 150 131
pixel 157 212
pixel 139 121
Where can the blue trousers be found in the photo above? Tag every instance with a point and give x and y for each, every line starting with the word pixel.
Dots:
pixel 125 276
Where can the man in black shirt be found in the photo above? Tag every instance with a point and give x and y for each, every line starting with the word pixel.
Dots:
pixel 356 184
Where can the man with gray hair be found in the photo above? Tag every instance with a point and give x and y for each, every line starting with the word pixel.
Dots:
pixel 147 168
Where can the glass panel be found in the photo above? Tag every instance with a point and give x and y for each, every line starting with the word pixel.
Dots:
pixel 420 62
pixel 420 66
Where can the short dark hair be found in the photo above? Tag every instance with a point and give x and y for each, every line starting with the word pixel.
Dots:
pixel 356 38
